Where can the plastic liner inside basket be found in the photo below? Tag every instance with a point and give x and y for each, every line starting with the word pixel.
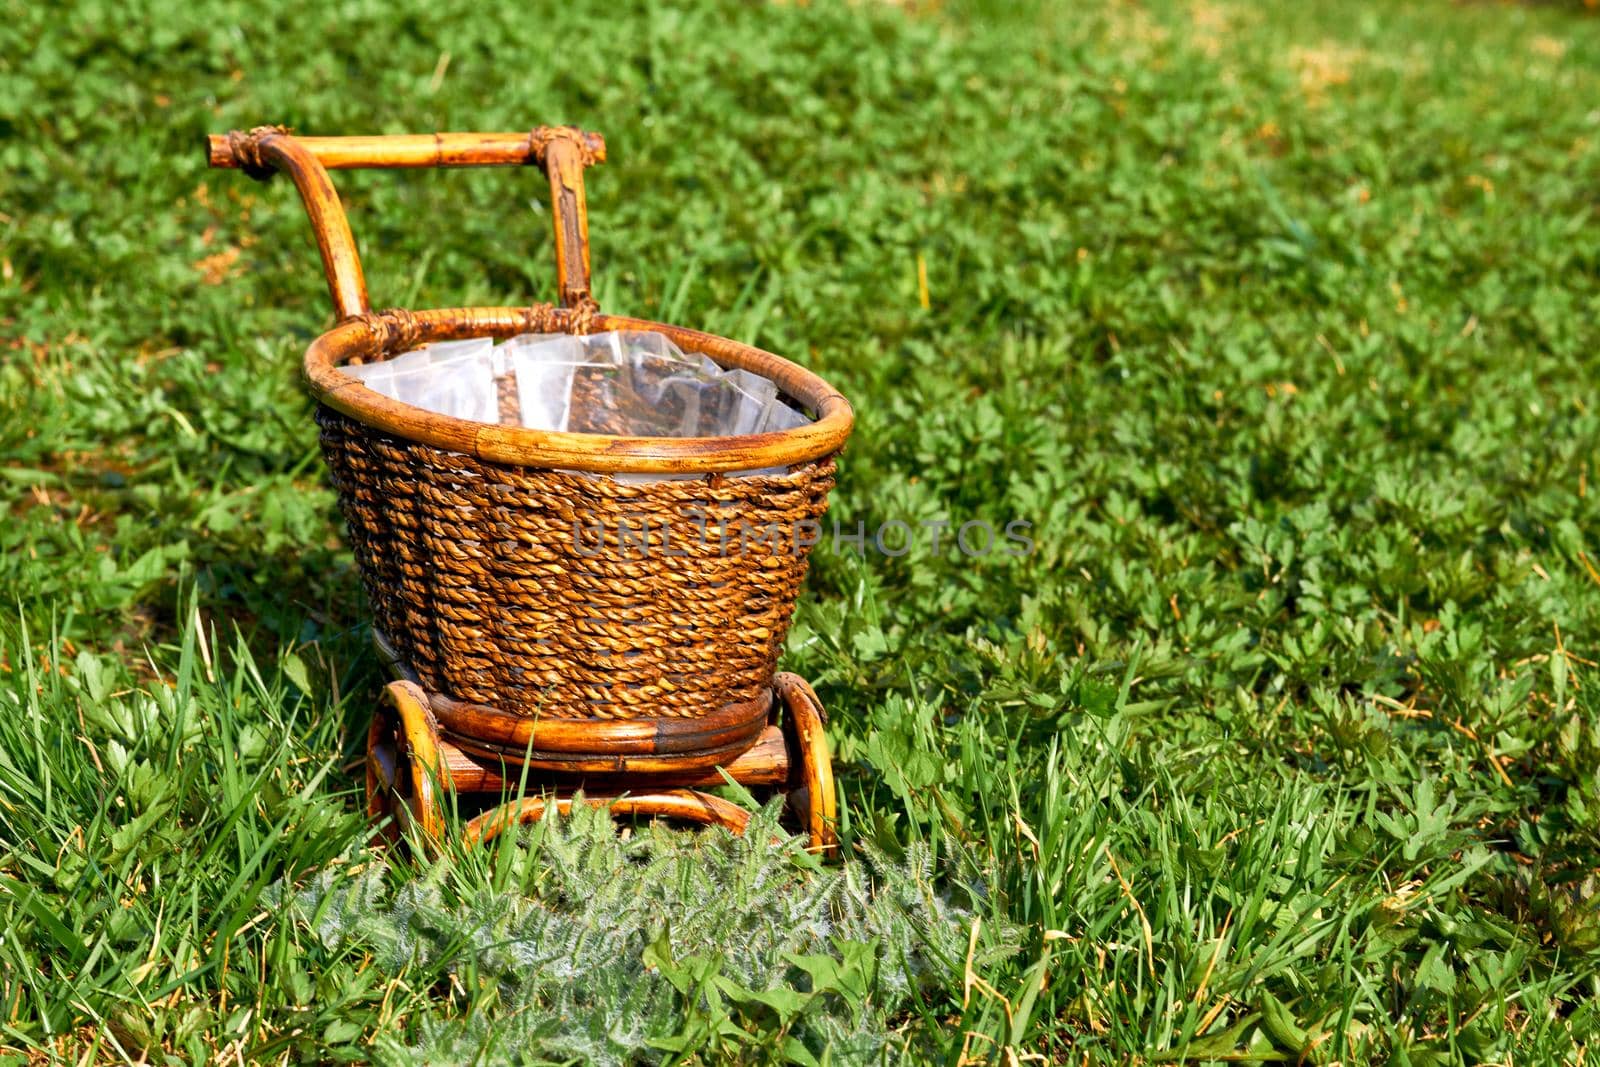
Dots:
pixel 633 383
pixel 453 378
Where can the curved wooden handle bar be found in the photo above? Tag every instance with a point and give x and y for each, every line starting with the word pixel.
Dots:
pixel 686 804
pixel 420 741
pixel 373 335
pixel 418 150
pixel 341 264
pixel 811 767
pixel 562 151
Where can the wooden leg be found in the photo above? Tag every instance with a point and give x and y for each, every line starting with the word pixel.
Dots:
pixel 686 804
pixel 403 765
pixel 811 793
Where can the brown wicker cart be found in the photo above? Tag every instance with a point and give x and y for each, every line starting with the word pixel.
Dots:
pixel 543 620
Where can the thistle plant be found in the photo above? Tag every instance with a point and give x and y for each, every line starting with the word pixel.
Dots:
pixel 652 945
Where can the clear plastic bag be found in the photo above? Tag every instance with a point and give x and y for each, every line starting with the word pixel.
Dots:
pixel 634 383
pixel 541 365
pixel 639 384
pixel 454 378
pixel 775 415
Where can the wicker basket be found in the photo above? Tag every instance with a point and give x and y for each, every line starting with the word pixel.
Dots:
pixel 509 570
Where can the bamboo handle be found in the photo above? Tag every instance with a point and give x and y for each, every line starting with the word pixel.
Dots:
pixel 561 151
pixel 419 149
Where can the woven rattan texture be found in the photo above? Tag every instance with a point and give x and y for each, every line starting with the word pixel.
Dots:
pixel 572 595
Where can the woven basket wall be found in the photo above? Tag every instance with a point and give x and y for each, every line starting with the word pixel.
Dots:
pixel 529 589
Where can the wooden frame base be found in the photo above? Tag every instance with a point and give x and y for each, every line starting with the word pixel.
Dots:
pixel 412 763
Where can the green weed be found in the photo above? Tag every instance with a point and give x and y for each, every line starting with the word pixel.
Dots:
pixel 1277 324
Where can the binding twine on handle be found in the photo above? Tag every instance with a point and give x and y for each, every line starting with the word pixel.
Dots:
pixel 398 330
pixel 246 149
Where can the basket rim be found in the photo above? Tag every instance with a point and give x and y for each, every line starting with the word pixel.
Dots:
pixel 518 445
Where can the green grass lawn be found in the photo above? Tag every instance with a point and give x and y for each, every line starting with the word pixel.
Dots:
pixel 1278 325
